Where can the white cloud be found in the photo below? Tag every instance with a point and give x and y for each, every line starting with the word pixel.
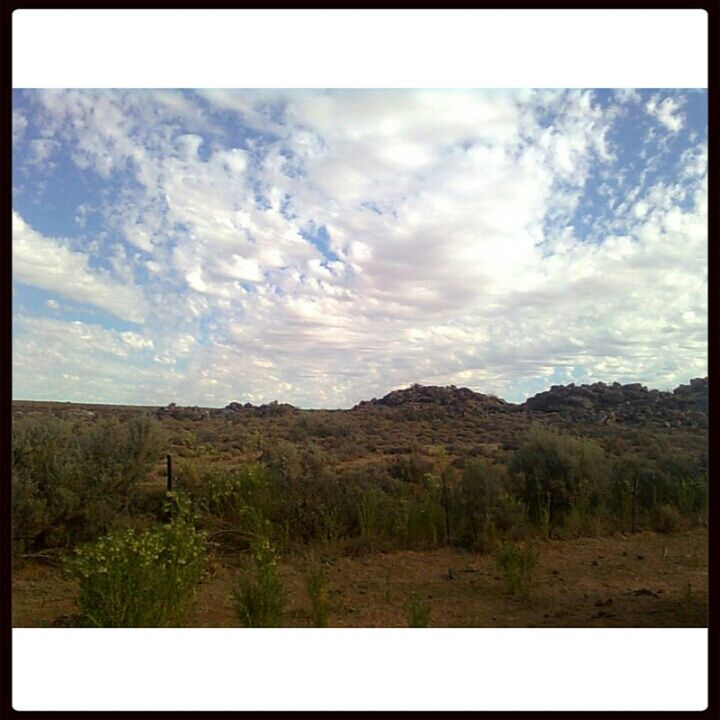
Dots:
pixel 666 112
pixel 41 149
pixel 627 95
pixel 19 124
pixel 50 264
pixel 450 254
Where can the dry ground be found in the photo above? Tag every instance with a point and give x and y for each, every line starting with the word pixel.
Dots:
pixel 643 580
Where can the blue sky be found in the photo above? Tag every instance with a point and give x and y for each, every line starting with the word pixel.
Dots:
pixel 324 247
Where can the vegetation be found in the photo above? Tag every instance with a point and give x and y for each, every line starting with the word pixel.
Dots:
pixel 131 579
pixel 316 586
pixel 72 482
pixel 417 611
pixel 260 599
pixel 517 564
pixel 348 483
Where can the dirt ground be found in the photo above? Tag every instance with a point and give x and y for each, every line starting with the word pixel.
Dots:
pixel 643 580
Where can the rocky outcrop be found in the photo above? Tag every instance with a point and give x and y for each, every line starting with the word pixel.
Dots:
pixel 429 399
pixel 182 413
pixel 630 404
pixel 600 403
pixel 272 409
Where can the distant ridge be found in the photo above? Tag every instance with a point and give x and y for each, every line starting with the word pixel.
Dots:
pixel 632 403
pixel 600 402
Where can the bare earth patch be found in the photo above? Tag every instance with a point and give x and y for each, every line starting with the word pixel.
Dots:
pixel 643 580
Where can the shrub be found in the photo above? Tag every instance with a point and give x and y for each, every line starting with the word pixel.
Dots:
pixel 130 579
pixel 481 489
pixel 517 564
pixel 75 482
pixel 667 519
pixel 423 520
pixel 410 468
pixel 316 587
pixel 559 472
pixel 417 611
pixel 260 599
pixel 376 515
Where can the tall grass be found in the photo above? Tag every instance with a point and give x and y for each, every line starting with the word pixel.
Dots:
pixel 316 587
pixel 260 598
pixel 517 564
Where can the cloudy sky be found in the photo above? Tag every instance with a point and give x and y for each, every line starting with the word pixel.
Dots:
pixel 324 247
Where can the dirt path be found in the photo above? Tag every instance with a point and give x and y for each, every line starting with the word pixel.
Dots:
pixel 645 580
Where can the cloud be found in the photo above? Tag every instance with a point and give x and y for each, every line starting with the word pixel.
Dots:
pixel 81 361
pixel 666 112
pixel 322 247
pixel 19 124
pixel 50 264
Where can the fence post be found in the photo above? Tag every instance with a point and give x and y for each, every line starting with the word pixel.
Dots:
pixel 169 473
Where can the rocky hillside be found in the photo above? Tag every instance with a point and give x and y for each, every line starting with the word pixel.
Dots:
pixel 629 404
pixel 599 403
pixel 428 399
pixel 632 404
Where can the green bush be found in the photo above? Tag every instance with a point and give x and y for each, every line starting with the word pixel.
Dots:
pixel 316 587
pixel 422 520
pixel 558 473
pixel 482 488
pixel 517 564
pixel 130 579
pixel 74 482
pixel 260 599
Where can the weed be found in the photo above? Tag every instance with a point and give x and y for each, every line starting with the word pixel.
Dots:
pixel 417 611
pixel 260 600
pixel 517 563
pixel 316 587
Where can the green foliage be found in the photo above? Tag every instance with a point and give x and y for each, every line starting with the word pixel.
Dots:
pixel 517 564
pixel 316 587
pixel 374 515
pixel 481 489
pixel 558 473
pixel 130 579
pixel 422 522
pixel 260 599
pixel 73 482
pixel 417 611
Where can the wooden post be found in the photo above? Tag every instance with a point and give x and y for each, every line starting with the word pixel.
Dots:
pixel 169 473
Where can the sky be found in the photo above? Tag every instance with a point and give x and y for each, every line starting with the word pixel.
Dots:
pixel 325 247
